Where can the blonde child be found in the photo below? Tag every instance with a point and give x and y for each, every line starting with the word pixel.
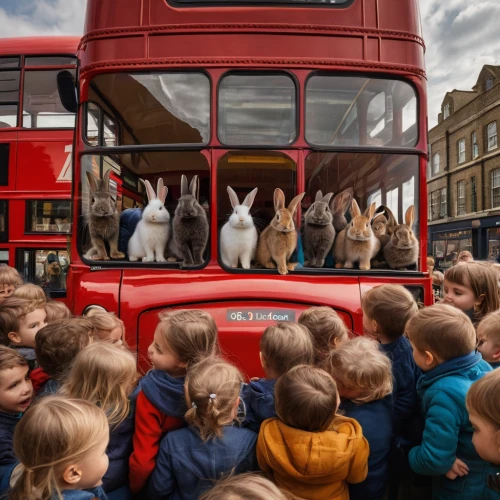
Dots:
pixel 327 329
pixel 249 486
pixel 309 450
pixel 443 341
pixel 472 288
pixel 364 380
pixel 107 326
pixel 61 445
pixel 10 279
pixel 56 310
pixel 190 460
pixel 105 375
pixel 181 339
pixel 488 338
pixel 29 291
pixel 282 347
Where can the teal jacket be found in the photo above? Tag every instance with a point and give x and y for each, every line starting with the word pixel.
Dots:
pixel 448 432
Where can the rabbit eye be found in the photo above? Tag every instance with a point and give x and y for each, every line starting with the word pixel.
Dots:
pixel 327 209
pixel 161 208
pixel 278 217
pixel 367 226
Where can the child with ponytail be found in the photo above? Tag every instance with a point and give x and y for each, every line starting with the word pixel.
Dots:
pixel 190 460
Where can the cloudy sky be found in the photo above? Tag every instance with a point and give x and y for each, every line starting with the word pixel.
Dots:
pixel 461 36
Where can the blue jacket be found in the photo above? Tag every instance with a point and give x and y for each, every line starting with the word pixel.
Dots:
pixel 448 432
pixel 89 494
pixel 49 387
pixel 129 219
pixel 7 425
pixel 186 466
pixel 376 421
pixel 165 392
pixel 258 396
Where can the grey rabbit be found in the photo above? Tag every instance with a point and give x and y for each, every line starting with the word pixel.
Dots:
pixel 190 226
pixel 339 206
pixel 318 231
pixel 103 219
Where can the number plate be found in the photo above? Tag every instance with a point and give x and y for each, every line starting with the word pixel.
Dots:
pixel 260 315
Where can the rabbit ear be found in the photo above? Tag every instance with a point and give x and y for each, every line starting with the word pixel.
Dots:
pixel 92 182
pixel 184 185
pixel 327 197
pixel 279 199
pixel 159 186
pixel 105 181
pixel 341 202
pixel 233 197
pixel 319 196
pixel 294 204
pixel 355 211
pixel 248 201
pixel 410 215
pixel 162 191
pixel 370 211
pixel 149 190
pixel 193 186
pixel 391 220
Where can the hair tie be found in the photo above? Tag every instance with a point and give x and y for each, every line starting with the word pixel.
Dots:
pixel 212 396
pixel 193 404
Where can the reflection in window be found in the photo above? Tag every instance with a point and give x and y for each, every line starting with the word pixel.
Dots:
pixel 409 196
pixel 8 115
pixel 351 111
pixel 257 109
pixel 47 268
pixel 49 216
pixel 392 200
pixel 494 244
pixel 9 62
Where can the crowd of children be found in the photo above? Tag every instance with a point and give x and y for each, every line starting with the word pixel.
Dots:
pixel 409 410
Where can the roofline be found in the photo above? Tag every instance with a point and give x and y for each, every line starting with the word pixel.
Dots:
pixel 39 45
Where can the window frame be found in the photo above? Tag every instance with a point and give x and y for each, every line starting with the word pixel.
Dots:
pixel 461 153
pixel 29 215
pixel 495 173
pixel 461 198
pixel 495 136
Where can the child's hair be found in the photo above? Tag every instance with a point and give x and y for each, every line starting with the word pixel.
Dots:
pixel 56 310
pixel 391 306
pixel 431 260
pixel 9 276
pixel 483 398
pixel 249 486
pixel 13 309
pixel 361 365
pixel 104 323
pixel 481 280
pixel 53 434
pixel 29 291
pixel 465 256
pixel 286 345
pixel 326 327
pixel 103 374
pixel 190 333
pixel 490 327
pixel 306 398
pixel 443 330
pixel 10 358
pixel 212 391
pixel 57 344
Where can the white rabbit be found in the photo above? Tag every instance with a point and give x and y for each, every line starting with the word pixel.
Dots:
pixel 238 236
pixel 152 233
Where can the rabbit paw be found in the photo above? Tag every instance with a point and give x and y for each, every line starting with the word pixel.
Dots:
pixel 161 259
pixel 117 255
pixel 133 259
pixel 282 270
pixel 172 259
pixel 348 265
pixel 364 267
pixel 291 266
pixel 148 259
pixel 270 265
pixel 338 265
pixel 99 257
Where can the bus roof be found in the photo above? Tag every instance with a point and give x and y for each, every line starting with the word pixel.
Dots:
pixel 35 45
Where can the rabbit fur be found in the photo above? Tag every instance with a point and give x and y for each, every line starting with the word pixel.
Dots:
pixel 402 249
pixel 190 226
pixel 238 236
pixel 152 233
pixel 318 231
pixel 103 219
pixel 357 243
pixel 279 240
pixel 339 206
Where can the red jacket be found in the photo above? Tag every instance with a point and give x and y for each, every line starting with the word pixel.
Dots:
pixel 38 378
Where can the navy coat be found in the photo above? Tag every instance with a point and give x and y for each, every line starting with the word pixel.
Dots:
pixel 258 397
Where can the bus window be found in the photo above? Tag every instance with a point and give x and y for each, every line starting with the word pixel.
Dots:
pixel 352 111
pixel 50 61
pixel 154 108
pixel 4 256
pixel 257 109
pixel 48 216
pixel 9 62
pixel 4 162
pixel 9 98
pixel 8 115
pixel 4 218
pixel 92 132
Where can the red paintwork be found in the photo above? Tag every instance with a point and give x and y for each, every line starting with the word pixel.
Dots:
pixel 369 36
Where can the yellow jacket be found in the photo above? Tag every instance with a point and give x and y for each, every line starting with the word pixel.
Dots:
pixel 314 465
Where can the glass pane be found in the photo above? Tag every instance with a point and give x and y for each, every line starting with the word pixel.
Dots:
pixel 49 216
pixel 166 108
pixel 4 257
pixel 4 164
pixel 9 62
pixel 42 107
pixel 494 244
pixel 9 86
pixel 109 132
pixel 355 111
pixel 47 268
pixel 8 115
pixel 93 113
pixel 50 61
pixel 438 249
pixel 257 110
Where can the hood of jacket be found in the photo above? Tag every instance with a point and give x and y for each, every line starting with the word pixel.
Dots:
pixel 258 396
pixel 165 392
pixel 90 494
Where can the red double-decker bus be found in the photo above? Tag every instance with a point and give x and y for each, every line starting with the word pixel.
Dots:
pixel 36 140
pixel 296 95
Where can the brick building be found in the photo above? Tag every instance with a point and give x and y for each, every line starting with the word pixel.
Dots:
pixel 463 175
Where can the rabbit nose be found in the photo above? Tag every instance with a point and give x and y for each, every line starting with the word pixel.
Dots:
pixel 242 219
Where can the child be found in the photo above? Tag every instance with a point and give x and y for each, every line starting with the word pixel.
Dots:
pixel 465 256
pixel 483 405
pixel 364 381
pixel 20 321
pixel 15 397
pixel 61 445
pixel 488 338
pixel 327 329
pixel 29 291
pixel 182 338
pixel 244 487
pixel 10 279
pixel 56 310
pixel 56 346
pixel 282 347
pixel 473 289
pixel 191 459
pixel 310 450
pixel 443 341
pixel 107 327
pixel 105 375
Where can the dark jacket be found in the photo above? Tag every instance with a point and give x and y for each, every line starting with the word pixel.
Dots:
pixel 376 421
pixel 7 425
pixel 89 494
pixel 129 219
pixel 186 466
pixel 258 396
pixel 495 364
pixel 28 353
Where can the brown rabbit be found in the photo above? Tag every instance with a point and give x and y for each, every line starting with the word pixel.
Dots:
pixel 339 206
pixel 401 251
pixel 357 243
pixel 103 219
pixel 279 240
pixel 383 224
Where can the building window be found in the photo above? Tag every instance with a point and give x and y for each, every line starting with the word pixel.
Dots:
pixel 437 204
pixel 489 83
pixel 495 188
pixel 473 195
pixel 461 198
pixel 475 146
pixel 492 135
pixel 444 205
pixel 446 111
pixel 461 150
pixel 435 164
